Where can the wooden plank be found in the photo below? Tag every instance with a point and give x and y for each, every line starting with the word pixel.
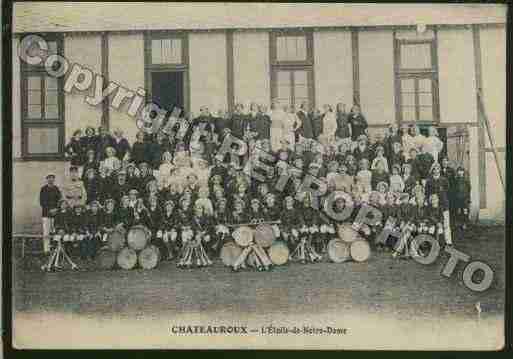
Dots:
pixel 230 71
pixel 356 66
pixel 105 74
pixel 481 138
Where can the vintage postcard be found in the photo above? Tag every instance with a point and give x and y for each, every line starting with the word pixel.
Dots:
pixel 258 175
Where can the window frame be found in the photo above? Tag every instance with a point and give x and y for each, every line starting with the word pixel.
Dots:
pixel 416 74
pixel 149 67
pixel 27 123
pixel 306 65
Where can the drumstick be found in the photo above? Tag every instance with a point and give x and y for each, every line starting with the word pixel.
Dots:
pixel 252 224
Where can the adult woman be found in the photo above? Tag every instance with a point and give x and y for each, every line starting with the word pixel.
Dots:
pixel 329 122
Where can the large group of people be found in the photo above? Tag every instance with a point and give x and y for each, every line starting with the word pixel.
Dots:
pixel 178 186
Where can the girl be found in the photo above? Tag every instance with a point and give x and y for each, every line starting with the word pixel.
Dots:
pixel 364 176
pixel 94 223
pixel 396 181
pixel 165 169
pixel 92 186
pixel 396 156
pixel 121 145
pixel 167 231
pixel 432 144
pixel 379 175
pixel 380 158
pixel 138 153
pixel 358 123
pixel 90 163
pixel 407 141
pixel 75 150
pixel 111 161
pixel 125 215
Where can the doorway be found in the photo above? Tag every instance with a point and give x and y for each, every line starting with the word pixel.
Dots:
pixel 167 89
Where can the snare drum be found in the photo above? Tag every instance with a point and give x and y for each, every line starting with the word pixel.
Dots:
pixel 360 251
pixel 338 251
pixel 347 233
pixel 229 253
pixel 149 257
pixel 279 253
pixel 264 235
pixel 127 258
pixel 243 236
pixel 138 237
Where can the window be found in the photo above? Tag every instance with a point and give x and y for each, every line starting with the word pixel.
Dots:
pixel 42 110
pixel 166 69
pixel 416 74
pixel 166 51
pixel 292 68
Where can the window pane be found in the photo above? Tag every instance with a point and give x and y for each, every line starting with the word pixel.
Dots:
pixel 34 97
pixel 408 99
pixel 416 56
pixel 425 99
pixel 51 83
pixel 291 48
pixel 284 92
pixel 426 113
pixel 300 78
pixel 171 51
pixel 34 83
pixel 156 51
pixel 34 111
pixel 52 112
pixel 409 114
pixel 408 85
pixel 283 78
pixel 43 140
pixel 425 85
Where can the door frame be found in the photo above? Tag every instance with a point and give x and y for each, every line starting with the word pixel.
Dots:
pixel 185 85
pixel 310 77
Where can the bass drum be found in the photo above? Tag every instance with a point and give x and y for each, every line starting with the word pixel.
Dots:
pixel 138 237
pixel 264 235
pixel 279 253
pixel 106 259
pixel 229 253
pixel 149 257
pixel 243 236
pixel 338 251
pixel 360 251
pixel 116 239
pixel 127 258
pixel 347 233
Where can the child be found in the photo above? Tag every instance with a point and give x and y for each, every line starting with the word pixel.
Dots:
pixel 62 221
pixel 409 179
pixel 108 222
pixel 193 236
pixel 396 156
pixel 351 166
pixel 132 176
pixel 168 229
pixel 379 175
pixel 141 215
pixel 92 186
pixel 461 197
pixel 90 163
pixel 124 217
pixel 49 198
pixel 432 144
pixel 362 150
pixel 121 145
pixel 304 250
pixel 94 223
pixel 396 181
pixel 138 153
pixel 105 183
pixel 165 169
pixel 238 215
pixel 364 176
pixel 111 161
pixel 79 232
pixel 73 189
pixel 435 217
pixel 291 222
pixel 74 149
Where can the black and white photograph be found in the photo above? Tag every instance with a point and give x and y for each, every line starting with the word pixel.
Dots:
pixel 258 175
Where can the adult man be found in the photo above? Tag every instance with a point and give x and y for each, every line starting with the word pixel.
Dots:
pixel 49 198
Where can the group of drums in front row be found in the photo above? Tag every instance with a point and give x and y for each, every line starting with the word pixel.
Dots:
pixel 259 232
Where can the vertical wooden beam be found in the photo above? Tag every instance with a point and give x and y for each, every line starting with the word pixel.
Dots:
pixel 230 71
pixel 105 74
pixel 356 66
pixel 481 130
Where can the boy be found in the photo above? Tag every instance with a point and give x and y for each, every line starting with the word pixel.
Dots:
pixel 94 222
pixel 79 231
pixel 49 198
pixel 461 197
pixel 73 190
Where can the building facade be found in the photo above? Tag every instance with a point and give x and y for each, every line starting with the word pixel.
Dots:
pixel 414 67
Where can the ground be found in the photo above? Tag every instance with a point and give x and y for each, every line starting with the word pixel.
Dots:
pixel 400 288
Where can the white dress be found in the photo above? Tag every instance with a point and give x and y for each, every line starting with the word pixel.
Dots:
pixel 433 145
pixel 329 128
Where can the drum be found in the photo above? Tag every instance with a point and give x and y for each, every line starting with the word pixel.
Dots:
pixel 127 258
pixel 264 235
pixel 116 239
pixel 106 259
pixel 243 236
pixel 229 253
pixel 279 253
pixel 360 251
pixel 149 257
pixel 347 233
pixel 138 237
pixel 338 251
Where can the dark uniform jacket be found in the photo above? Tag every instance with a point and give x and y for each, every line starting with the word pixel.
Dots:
pixel 305 128
pixel 122 147
pixel 49 198
pixel 358 125
pixel 75 150
pixel 343 125
pixel 439 186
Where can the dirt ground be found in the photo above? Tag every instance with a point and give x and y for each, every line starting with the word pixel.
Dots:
pixel 401 287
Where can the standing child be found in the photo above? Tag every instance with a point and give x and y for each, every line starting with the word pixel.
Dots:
pixel 79 232
pixel 364 176
pixel 461 197
pixel 168 229
pixel 396 181
pixel 49 198
pixel 94 223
